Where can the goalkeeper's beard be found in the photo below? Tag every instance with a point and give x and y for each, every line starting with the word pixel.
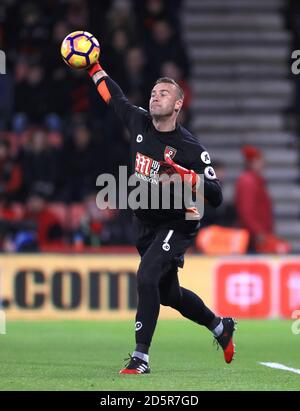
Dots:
pixel 163 116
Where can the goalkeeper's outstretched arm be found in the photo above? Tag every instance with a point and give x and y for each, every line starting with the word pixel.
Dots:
pixel 112 94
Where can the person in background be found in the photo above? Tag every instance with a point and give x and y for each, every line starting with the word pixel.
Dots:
pixel 94 223
pixel 33 88
pixel 10 172
pixel 48 228
pixel 81 163
pixel 252 199
pixel 39 163
pixel 137 79
pixel 150 11
pixel 165 47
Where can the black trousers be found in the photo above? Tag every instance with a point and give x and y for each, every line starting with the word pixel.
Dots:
pixel 162 252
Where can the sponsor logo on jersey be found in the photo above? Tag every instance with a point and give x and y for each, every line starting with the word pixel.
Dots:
pixel 205 157
pixel 139 138
pixel 146 168
pixel 170 151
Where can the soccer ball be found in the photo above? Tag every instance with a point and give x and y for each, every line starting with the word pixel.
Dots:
pixel 80 49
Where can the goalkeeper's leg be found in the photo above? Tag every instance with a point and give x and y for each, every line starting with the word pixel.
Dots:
pixel 156 260
pixel 192 307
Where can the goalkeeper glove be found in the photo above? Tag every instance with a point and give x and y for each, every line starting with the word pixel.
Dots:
pixel 170 167
pixel 94 69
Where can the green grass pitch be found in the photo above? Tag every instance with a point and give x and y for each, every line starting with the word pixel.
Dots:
pixel 87 355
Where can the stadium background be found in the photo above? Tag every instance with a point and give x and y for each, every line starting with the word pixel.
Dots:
pixel 61 257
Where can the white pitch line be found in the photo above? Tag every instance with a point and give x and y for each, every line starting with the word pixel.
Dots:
pixel 280 367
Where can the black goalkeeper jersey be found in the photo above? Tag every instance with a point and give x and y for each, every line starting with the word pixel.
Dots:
pixel 148 149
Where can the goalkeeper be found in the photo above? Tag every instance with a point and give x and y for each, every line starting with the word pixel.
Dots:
pixel 159 144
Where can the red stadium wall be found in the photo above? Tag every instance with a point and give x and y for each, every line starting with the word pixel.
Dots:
pixel 58 286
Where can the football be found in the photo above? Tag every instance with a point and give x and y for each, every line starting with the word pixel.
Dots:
pixel 80 49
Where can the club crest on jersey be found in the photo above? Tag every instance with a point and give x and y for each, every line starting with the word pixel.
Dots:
pixel 170 151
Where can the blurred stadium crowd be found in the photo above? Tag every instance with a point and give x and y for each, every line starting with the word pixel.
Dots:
pixel 57 136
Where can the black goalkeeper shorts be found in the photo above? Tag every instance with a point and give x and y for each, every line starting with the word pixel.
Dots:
pixel 164 243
